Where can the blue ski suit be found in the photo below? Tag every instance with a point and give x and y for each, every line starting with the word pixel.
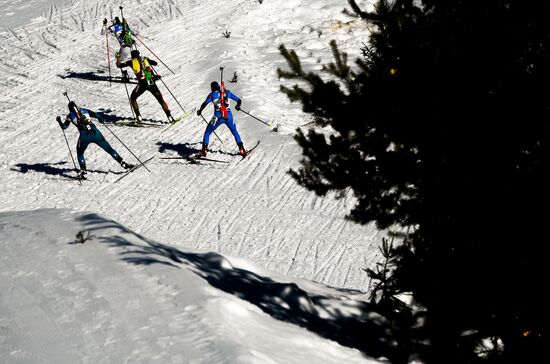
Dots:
pixel 217 120
pixel 89 133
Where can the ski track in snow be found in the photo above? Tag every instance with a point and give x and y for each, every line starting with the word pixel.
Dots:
pixel 252 209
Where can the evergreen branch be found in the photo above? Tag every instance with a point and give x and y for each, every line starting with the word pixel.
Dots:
pixel 292 60
pixel 357 9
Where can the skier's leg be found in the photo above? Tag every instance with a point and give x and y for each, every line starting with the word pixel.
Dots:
pixel 80 149
pixel 104 144
pixel 125 53
pixel 137 92
pixel 156 92
pixel 233 127
pixel 212 126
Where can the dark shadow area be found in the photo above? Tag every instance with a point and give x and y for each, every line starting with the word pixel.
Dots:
pixel 47 168
pixel 182 149
pixel 92 76
pixel 221 152
pixel 324 315
pixel 107 117
pixel 188 149
pixel 53 169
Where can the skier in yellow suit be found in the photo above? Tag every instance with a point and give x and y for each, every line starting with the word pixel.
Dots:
pixel 146 82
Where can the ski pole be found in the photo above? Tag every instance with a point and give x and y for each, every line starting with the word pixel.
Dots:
pixel 157 57
pixel 105 125
pixel 213 131
pixel 161 80
pixel 67 96
pixel 108 58
pixel 72 158
pixel 125 77
pixel 256 118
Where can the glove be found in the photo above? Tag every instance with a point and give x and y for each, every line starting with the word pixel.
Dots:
pixel 117 55
pixel 58 119
pixel 156 77
pixel 105 21
pixel 199 111
pixel 238 106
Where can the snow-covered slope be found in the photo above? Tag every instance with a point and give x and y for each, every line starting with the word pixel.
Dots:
pixel 241 242
pixel 121 298
pixel 251 209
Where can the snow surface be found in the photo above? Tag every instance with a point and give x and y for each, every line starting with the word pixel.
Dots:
pixel 15 13
pixel 122 298
pixel 249 220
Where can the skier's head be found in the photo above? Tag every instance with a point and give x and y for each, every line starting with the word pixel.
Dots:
pixel 135 53
pixel 214 86
pixel 72 107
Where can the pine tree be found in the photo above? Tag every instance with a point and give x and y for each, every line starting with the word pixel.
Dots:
pixel 443 128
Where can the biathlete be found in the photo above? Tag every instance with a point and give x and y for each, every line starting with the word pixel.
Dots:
pixel 146 82
pixel 218 119
pixel 89 133
pixel 123 34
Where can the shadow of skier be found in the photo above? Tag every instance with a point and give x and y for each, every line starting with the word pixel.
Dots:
pixel 92 76
pixel 47 168
pixel 182 149
pixel 52 169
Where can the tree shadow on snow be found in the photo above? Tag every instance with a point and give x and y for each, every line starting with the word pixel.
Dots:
pixel 364 330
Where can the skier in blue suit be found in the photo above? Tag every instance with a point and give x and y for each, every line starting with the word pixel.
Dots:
pixel 89 133
pixel 217 120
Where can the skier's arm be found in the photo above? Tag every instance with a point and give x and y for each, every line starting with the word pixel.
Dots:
pixel 105 29
pixel 120 64
pixel 152 62
pixel 133 32
pixel 205 103
pixel 64 124
pixel 234 97
pixel 95 115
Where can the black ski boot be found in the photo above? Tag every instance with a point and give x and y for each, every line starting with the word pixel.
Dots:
pixel 242 151
pixel 203 151
pixel 126 165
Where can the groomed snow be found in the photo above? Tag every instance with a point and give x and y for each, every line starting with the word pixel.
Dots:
pixel 250 215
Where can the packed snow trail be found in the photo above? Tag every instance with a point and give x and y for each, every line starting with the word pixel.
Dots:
pixel 252 209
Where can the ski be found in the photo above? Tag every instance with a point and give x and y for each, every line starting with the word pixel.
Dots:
pixel 172 123
pixel 84 177
pixel 177 120
pixel 250 151
pixel 196 158
pixel 138 124
pixel 134 168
